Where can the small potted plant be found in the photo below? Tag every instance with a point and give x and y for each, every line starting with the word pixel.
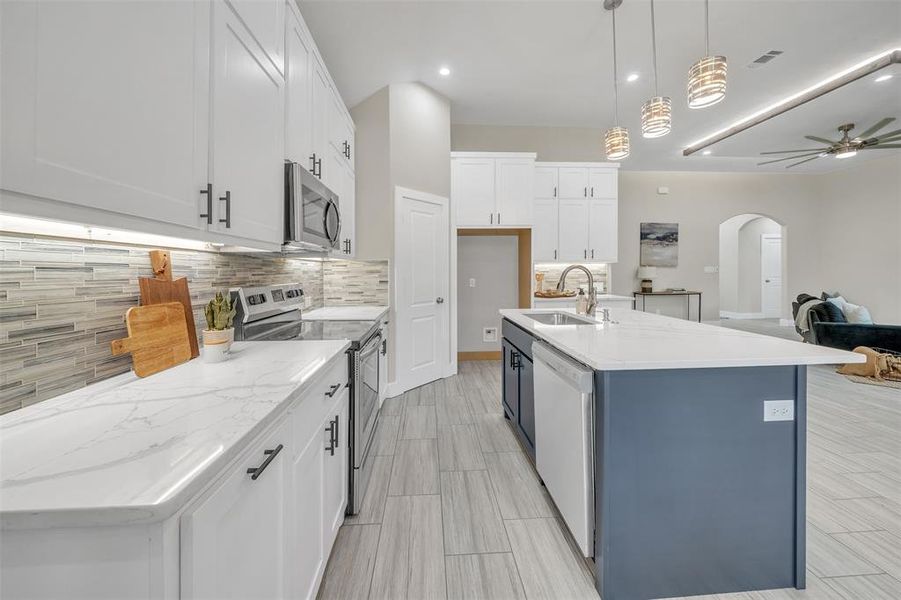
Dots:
pixel 220 333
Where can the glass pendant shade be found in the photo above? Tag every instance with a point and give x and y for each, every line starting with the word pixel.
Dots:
pixel 656 117
pixel 707 82
pixel 616 143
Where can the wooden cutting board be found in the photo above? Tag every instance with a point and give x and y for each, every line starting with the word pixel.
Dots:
pixel 157 338
pixel 163 288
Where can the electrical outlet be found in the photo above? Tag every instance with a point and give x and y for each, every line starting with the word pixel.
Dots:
pixel 472 282
pixel 778 410
pixel 307 301
pixel 489 334
pixel 713 269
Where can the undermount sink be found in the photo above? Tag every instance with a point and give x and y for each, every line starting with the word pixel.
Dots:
pixel 559 318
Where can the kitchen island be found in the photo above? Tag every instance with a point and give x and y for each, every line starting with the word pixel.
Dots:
pixel 698 486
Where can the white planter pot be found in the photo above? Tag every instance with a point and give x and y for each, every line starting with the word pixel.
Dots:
pixel 216 344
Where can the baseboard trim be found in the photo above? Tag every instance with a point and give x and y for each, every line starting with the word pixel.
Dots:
pixel 786 323
pixel 483 355
pixel 726 314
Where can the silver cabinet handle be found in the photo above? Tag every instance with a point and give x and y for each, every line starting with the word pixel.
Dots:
pixel 555 255
pixel 585 253
pixel 592 253
pixel 439 300
pixel 586 192
pixel 498 218
pixel 255 472
pixel 492 218
pixel 555 191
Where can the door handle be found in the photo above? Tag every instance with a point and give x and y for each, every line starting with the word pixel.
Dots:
pixel 439 300
pixel 209 204
pixel 228 209
pixel 255 472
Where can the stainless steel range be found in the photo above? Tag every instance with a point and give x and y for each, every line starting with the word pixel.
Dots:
pixel 274 312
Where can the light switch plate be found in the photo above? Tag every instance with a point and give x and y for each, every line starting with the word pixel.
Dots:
pixel 778 410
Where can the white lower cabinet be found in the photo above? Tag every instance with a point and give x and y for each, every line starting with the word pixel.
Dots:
pixel 235 540
pixel 270 538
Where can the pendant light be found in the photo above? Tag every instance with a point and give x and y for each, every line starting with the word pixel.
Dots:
pixel 616 139
pixel 707 77
pixel 656 113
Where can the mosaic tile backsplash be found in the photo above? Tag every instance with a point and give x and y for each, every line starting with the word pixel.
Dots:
pixel 575 279
pixel 63 301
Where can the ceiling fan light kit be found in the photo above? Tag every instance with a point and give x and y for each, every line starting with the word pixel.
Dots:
pixel 707 77
pixel 656 113
pixel 616 139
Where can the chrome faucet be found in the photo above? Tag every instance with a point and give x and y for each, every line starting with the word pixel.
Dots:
pixel 592 297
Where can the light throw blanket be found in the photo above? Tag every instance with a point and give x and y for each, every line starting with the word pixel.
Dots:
pixel 801 320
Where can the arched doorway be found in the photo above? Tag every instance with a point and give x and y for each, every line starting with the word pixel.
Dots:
pixel 752 259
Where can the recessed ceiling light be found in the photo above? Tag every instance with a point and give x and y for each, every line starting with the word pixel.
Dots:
pixel 444 71
pixel 632 77
pixel 706 152
pixel 882 78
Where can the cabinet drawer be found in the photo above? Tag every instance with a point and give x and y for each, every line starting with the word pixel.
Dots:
pixel 310 410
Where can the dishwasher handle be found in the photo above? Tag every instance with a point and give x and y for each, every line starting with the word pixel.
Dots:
pixel 574 373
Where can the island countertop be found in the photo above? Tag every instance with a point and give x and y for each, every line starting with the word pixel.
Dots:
pixel 638 340
pixel 132 450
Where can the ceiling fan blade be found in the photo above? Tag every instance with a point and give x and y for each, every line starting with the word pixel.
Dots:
pixel 788 151
pixel 888 134
pixel 801 163
pixel 881 146
pixel 876 127
pixel 820 140
pixel 817 153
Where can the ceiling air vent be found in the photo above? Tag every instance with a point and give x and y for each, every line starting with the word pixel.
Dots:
pixel 764 59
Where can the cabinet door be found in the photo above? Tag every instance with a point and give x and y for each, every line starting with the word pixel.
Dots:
pixel 234 542
pixel 573 236
pixel 265 22
pixel 545 182
pixel 573 182
pixel 527 401
pixel 515 191
pixel 248 145
pixel 321 100
pixel 511 380
pixel 105 105
pixel 602 183
pixel 544 230
pixel 383 364
pixel 306 511
pixel 298 89
pixel 339 130
pixel 335 473
pixel 602 226
pixel 472 191
pixel 348 211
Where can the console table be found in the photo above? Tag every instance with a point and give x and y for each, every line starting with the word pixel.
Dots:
pixel 687 294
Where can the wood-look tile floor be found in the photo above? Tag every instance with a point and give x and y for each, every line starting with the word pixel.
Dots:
pixel 454 508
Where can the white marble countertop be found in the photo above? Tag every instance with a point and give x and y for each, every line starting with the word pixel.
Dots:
pixel 132 450
pixel 346 313
pixel 640 341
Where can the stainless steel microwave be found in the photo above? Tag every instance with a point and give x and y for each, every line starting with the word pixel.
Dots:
pixel 312 218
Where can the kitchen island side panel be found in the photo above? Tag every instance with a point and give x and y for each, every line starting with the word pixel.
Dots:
pixel 697 493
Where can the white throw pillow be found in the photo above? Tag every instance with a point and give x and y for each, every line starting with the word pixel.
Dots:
pixel 855 313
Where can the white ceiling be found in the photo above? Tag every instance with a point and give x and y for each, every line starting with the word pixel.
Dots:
pixel 549 63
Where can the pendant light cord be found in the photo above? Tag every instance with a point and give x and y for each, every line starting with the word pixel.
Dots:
pixel 654 46
pixel 615 85
pixel 706 27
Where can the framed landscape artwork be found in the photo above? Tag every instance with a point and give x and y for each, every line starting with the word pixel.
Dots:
pixel 659 245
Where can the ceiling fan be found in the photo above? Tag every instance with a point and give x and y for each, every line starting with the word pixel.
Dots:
pixel 846 147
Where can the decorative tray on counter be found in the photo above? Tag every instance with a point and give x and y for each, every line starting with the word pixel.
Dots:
pixel 555 294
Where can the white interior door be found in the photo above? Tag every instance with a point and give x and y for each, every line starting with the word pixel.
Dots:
pixel 771 274
pixel 422 288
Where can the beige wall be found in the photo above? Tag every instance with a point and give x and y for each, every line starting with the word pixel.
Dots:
pixel 420 138
pixel 859 211
pixel 577 144
pixel 374 214
pixel 491 261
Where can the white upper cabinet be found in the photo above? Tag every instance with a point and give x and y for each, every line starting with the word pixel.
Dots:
pixel 472 191
pixel 573 182
pixel 583 215
pixel 545 230
pixel 298 89
pixel 322 104
pixel 515 190
pixel 246 154
pixel 602 183
pixel 545 182
pixel 265 20
pixel 105 106
pixel 342 181
pixel 492 189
